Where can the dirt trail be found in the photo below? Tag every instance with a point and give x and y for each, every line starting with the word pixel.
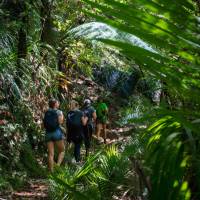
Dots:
pixel 38 189
pixel 35 189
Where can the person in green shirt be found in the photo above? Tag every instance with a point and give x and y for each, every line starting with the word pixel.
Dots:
pixel 102 118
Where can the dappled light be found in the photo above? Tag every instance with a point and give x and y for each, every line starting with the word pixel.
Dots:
pixel 100 100
pixel 97 30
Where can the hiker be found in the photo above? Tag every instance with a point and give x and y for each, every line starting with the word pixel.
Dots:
pixel 88 129
pixel 102 112
pixel 54 136
pixel 75 122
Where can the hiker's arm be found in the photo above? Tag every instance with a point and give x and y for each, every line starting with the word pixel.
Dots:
pixel 94 116
pixel 60 118
pixel 84 120
pixel 42 124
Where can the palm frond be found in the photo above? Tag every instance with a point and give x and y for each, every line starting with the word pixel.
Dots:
pixel 172 32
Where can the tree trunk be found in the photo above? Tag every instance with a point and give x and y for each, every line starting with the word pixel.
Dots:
pixel 45 19
pixel 49 33
pixel 22 44
pixel 22 40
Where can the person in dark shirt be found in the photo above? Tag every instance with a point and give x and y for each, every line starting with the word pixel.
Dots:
pixel 75 122
pixel 88 129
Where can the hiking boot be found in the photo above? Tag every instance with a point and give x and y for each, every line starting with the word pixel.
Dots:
pixel 73 161
pixel 99 141
pixel 80 163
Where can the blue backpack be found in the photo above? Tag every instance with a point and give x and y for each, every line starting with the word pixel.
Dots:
pixel 51 120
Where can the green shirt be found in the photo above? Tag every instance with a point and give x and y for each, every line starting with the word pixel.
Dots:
pixel 102 109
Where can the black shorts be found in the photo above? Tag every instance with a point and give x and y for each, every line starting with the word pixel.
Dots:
pixel 75 133
pixel 87 131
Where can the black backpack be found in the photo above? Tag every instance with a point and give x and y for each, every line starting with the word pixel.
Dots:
pixel 51 120
pixel 73 118
pixel 88 113
pixel 74 126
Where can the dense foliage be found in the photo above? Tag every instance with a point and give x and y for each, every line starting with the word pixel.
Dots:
pixel 30 73
pixel 172 140
pixel 144 53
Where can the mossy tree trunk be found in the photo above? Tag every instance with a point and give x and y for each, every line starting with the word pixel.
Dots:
pixel 22 39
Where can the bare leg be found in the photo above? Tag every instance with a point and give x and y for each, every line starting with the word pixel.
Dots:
pixel 98 130
pixel 104 132
pixel 50 147
pixel 61 151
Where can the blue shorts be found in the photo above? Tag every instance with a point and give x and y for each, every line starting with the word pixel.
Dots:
pixel 54 136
